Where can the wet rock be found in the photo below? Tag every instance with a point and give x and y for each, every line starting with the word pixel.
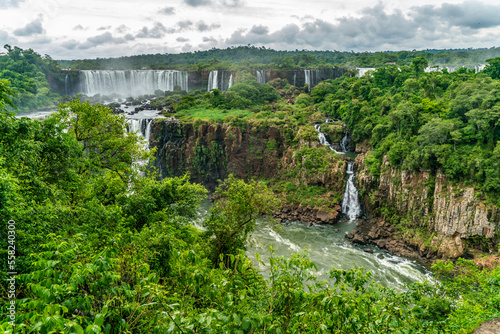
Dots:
pixel 368 250
pixel 381 256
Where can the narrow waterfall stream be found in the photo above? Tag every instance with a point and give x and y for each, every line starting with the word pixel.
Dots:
pixel 350 202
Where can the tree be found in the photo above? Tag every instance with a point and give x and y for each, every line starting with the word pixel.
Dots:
pixel 5 95
pixel 493 68
pixel 418 65
pixel 237 205
pixel 102 139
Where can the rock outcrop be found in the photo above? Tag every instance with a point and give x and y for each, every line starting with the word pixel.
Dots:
pixel 434 216
pixel 210 151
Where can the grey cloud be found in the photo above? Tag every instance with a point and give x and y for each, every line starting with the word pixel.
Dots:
pixel 473 15
pixel 167 11
pixel 79 27
pixel 197 3
pixel 70 45
pixel 187 47
pixel 259 30
pixel 42 40
pixel 5 38
pixel 10 3
pixel 183 25
pixel 105 38
pixel 122 29
pixel 158 31
pixel 232 3
pixel 209 39
pixel 104 28
pixel 32 28
pixel 129 37
pixel 201 26
pixel 379 29
pixel 182 39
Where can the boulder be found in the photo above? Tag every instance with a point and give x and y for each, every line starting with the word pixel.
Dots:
pixel 491 326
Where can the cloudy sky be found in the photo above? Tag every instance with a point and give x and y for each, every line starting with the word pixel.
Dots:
pixel 69 29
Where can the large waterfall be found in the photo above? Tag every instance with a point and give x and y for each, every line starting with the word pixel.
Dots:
pixel 221 80
pixel 131 82
pixel 261 77
pixel 350 203
pixel 311 78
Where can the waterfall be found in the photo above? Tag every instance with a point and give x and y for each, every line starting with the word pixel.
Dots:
pixel 362 70
pixel 295 79
pixel 350 203
pixel 261 77
pixel 307 78
pixel 66 84
pixel 131 82
pixel 212 80
pixel 219 79
pixel 143 126
pixel 344 143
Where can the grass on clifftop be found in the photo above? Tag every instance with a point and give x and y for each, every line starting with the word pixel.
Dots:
pixel 206 113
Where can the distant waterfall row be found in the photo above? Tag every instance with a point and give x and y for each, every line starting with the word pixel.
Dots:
pixel 131 82
pixel 221 80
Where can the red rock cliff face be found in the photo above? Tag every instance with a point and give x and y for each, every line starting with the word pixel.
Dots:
pixel 437 217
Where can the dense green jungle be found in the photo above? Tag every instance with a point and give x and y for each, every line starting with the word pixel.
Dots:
pixel 101 244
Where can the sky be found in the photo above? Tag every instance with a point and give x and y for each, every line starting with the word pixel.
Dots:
pixel 69 29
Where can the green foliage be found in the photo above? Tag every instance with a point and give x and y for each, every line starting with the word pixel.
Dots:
pixel 493 68
pixel 237 205
pixel 27 72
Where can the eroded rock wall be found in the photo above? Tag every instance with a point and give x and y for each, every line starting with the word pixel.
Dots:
pixel 437 217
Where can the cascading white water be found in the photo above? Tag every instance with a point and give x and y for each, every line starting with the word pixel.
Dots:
pixel 362 70
pixel 323 140
pixel 231 82
pixel 261 77
pixel 213 82
pixel 132 82
pixel 344 143
pixel 142 126
pixel 350 203
pixel 307 78
pixel 295 79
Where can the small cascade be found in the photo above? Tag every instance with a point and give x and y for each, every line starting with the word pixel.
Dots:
pixel 143 126
pixel 323 140
pixel 344 143
pixel 350 203
pixel 307 77
pixel 261 77
pixel 231 82
pixel 295 79
pixel 66 85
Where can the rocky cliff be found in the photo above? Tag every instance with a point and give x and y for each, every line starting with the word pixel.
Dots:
pixel 210 151
pixel 435 216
